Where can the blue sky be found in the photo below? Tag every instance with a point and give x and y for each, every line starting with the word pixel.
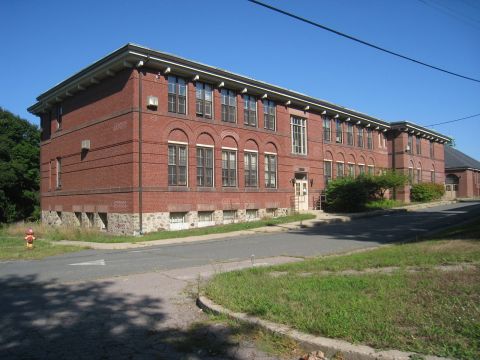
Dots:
pixel 43 42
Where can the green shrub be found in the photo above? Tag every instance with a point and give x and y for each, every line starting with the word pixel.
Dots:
pixel 426 192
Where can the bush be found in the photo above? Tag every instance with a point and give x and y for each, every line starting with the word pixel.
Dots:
pixel 426 192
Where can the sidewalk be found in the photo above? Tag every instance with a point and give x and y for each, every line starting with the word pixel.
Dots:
pixel 321 219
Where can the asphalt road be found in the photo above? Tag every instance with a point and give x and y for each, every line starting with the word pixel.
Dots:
pixel 361 233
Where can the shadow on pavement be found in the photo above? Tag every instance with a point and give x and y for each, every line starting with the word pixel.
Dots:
pixel 40 320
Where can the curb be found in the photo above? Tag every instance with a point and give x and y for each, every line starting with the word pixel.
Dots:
pixel 312 343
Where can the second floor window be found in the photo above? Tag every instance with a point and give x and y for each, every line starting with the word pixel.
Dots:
pixel 359 136
pixel 59 116
pixel 327 132
pixel 229 168
pixel 59 173
pixel 269 116
pixel 204 166
pixel 350 134
pixel 203 103
pixel 177 95
pixel 270 171
pixel 410 144
pixel 419 145
pixel 432 151
pixel 369 139
pixel 249 110
pixel 339 130
pixel 299 135
pixel 251 169
pixel 229 105
pixel 177 165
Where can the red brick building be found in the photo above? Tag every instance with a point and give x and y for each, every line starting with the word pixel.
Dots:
pixel 143 140
pixel 462 175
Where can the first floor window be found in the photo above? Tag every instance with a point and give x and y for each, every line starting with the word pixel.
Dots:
pixel 204 98
pixel 177 165
pixel 340 170
pixel 251 169
pixel 410 176
pixel 419 176
pixel 177 95
pixel 229 168
pixel 270 171
pixel 361 169
pixel 204 166
pixel 327 171
pixel 59 172
pixel 432 176
pixel 351 170
pixel 299 135
pixel 371 170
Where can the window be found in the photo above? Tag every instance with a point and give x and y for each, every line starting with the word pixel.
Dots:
pixel 251 169
pixel 359 136
pixel 204 98
pixel 361 169
pixel 340 169
pixel 410 144
pixel 299 135
pixel 177 95
pixel 369 139
pixel 251 215
pixel 177 221
pixel 249 110
pixel 327 133
pixel 350 134
pixel 339 138
pixel 432 149
pixel 410 176
pixel 432 176
pixel 271 212
pixel 371 170
pixel 59 116
pixel 419 145
pixel 351 170
pixel 205 218
pixel 229 168
pixel 229 216
pixel 204 166
pixel 270 171
pixel 78 216
pixel 327 171
pixel 90 219
pixel 269 115
pixel 419 175
pixel 384 139
pixel 229 105
pixel 59 173
pixel 177 165
pixel 103 221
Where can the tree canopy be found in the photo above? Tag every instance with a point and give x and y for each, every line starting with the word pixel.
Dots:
pixel 19 168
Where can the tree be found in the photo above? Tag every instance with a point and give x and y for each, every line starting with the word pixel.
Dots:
pixel 389 180
pixel 19 168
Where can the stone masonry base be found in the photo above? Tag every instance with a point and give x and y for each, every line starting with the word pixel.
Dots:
pixel 128 224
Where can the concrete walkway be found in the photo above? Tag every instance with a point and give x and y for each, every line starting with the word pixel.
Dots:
pixel 321 219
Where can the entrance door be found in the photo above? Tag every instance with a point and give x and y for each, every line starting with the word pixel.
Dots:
pixel 301 195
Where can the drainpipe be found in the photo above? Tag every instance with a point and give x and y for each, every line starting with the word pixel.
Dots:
pixel 394 164
pixel 140 163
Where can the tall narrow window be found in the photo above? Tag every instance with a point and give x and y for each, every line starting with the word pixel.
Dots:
pixel 327 132
pixel 59 116
pixel 177 165
pixel 432 176
pixel 269 115
pixel 299 135
pixel 249 110
pixel 411 176
pixel 371 170
pixel 351 170
pixel 369 139
pixel 251 169
pixel 204 98
pixel 340 169
pixel 327 171
pixel 419 175
pixel 177 95
pixel 350 134
pixel 339 130
pixel 270 171
pixel 432 151
pixel 359 136
pixel 419 145
pixel 59 173
pixel 229 168
pixel 229 105
pixel 204 166
pixel 361 169
pixel 410 144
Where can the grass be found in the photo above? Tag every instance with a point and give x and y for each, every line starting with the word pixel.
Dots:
pixel 91 235
pixel 13 248
pixel 383 204
pixel 429 311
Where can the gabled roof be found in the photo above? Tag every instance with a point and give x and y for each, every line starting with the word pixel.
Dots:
pixel 455 159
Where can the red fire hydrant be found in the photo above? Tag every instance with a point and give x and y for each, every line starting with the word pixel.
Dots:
pixel 29 238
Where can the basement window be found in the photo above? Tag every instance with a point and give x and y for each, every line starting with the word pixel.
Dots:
pixel 252 215
pixel 229 216
pixel 205 218
pixel 177 221
pixel 103 221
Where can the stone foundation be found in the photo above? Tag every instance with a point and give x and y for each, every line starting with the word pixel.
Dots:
pixel 128 224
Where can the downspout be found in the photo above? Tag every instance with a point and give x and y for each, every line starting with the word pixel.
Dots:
pixel 140 162
pixel 394 164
